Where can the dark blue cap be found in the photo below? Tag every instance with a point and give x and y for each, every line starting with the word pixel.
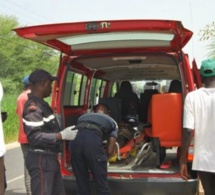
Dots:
pixel 40 75
pixel 26 81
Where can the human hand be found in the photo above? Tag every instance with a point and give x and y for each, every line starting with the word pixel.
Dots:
pixel 183 171
pixel 69 133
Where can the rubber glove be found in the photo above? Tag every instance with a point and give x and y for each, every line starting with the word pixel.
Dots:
pixel 69 133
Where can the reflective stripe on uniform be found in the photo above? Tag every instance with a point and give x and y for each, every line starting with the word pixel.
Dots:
pixel 33 124
pixel 38 123
pixel 49 118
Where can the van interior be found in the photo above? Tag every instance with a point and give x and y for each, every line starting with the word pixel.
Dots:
pixel 152 136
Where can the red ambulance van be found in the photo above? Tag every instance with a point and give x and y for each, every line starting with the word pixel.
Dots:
pixel 97 56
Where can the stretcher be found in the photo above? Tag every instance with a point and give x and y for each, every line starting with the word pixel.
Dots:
pixel 130 148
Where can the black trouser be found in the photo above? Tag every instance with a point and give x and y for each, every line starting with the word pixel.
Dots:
pixel 208 182
pixel 44 170
pixel 87 153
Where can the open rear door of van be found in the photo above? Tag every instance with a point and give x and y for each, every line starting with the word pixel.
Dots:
pixel 196 75
pixel 105 36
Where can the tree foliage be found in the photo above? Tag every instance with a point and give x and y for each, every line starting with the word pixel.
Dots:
pixel 208 34
pixel 19 57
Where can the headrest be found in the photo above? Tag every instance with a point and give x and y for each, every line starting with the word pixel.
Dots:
pixel 175 86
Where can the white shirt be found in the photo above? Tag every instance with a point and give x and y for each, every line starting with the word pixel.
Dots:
pixel 199 115
pixel 2 144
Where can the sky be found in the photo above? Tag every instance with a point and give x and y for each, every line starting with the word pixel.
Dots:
pixel 194 14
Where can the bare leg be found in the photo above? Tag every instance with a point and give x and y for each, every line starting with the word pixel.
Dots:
pixel 2 176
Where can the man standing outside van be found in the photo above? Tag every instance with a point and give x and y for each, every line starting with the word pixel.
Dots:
pixel 22 138
pixel 44 137
pixel 199 113
pixel 88 153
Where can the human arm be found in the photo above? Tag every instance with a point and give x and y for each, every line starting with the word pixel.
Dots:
pixel 110 146
pixel 111 142
pixel 186 140
pixel 188 124
pixel 41 126
pixel 20 102
pixel 35 123
pixel 2 150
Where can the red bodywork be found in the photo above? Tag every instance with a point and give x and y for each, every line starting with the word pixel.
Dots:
pixel 53 34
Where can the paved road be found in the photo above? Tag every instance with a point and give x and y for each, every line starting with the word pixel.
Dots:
pixel 14 170
pixel 14 166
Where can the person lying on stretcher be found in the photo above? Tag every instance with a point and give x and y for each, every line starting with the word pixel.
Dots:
pixel 128 141
pixel 125 133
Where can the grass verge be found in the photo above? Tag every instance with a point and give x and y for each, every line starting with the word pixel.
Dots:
pixel 11 125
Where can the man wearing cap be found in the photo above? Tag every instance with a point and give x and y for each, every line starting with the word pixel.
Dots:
pixel 199 110
pixel 22 138
pixel 44 137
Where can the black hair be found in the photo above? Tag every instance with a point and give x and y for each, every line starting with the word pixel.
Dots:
pixel 103 107
pixel 125 87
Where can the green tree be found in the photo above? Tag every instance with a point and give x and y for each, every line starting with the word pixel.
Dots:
pixel 19 57
pixel 208 33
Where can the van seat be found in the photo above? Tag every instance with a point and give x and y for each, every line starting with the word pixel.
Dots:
pixel 165 116
pixel 145 99
pixel 175 86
